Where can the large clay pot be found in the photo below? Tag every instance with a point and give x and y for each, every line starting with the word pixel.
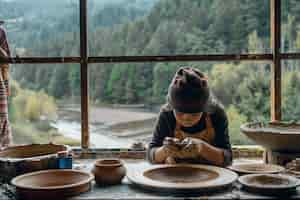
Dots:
pixel 279 137
pixel 109 171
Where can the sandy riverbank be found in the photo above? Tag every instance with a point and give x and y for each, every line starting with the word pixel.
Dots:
pixel 110 116
pixel 109 127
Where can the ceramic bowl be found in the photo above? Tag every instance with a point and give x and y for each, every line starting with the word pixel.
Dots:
pixel 50 184
pixel 274 136
pixel 109 171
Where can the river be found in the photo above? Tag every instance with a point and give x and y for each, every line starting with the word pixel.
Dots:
pixel 101 136
pixel 98 137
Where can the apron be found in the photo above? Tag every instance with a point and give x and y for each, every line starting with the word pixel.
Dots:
pixel 207 135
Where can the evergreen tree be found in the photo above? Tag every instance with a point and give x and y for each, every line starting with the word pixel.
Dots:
pixel 59 83
pixel 253 99
pixel 162 77
pixel 74 80
pixel 291 98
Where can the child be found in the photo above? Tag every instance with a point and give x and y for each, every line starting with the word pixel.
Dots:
pixel 192 116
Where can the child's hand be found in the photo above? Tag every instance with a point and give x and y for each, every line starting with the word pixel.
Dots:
pixel 170 146
pixel 192 148
pixel 170 160
pixel 170 150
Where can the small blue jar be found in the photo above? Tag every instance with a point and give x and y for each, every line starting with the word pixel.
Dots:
pixel 64 160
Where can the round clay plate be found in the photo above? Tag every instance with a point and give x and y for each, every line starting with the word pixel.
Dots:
pixel 256 168
pixel 294 173
pixel 50 183
pixel 269 182
pixel 182 177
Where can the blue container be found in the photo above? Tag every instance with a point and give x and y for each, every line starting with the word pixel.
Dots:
pixel 65 162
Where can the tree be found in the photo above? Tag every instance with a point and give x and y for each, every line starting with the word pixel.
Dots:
pixel 253 99
pixel 74 80
pixel 59 83
pixel 30 105
pixel 130 89
pixel 162 74
pixel 224 80
pixel 255 45
pixel 235 120
pixel 291 98
pixel 116 84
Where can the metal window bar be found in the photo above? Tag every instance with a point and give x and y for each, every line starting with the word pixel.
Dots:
pixel 85 136
pixel 276 62
pixel 275 58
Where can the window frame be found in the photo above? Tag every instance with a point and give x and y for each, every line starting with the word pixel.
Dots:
pixel 274 58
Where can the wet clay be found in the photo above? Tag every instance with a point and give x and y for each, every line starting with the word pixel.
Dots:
pixel 181 175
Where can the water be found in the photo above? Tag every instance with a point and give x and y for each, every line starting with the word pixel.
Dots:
pixel 103 123
pixel 100 137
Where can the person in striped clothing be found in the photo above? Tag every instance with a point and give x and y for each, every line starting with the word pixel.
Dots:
pixel 5 133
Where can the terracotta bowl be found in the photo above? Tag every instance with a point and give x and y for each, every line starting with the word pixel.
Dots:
pixel 274 136
pixel 109 171
pixel 22 159
pixel 51 184
pixel 30 151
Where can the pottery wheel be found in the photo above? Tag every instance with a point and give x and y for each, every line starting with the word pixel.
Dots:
pixel 182 177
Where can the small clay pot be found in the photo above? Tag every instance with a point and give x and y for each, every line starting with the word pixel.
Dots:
pixel 109 171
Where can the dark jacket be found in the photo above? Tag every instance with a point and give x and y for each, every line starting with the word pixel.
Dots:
pixel 166 124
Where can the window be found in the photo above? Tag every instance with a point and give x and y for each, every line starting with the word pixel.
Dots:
pixel 290 41
pixel 112 40
pixel 42 28
pixel 290 90
pixel 44 105
pixel 175 27
pixel 125 99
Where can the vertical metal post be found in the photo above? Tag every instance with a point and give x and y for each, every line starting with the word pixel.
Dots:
pixel 276 62
pixel 84 76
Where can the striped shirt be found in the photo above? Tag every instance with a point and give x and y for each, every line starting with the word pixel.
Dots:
pixel 5 133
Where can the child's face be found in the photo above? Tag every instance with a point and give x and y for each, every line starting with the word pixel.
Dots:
pixel 187 119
